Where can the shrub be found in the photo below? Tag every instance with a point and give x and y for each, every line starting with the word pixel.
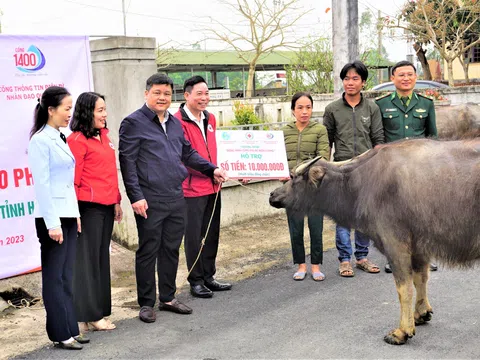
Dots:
pixel 244 114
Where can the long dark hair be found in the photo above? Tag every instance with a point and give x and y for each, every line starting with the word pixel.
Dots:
pixel 83 114
pixel 52 97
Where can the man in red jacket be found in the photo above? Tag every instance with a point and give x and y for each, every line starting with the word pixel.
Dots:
pixel 200 191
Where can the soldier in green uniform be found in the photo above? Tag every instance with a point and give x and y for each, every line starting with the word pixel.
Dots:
pixel 406 114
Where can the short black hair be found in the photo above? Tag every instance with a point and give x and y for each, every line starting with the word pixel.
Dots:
pixel 191 82
pixel 359 68
pixel 403 63
pixel 158 79
pixel 298 95
pixel 82 119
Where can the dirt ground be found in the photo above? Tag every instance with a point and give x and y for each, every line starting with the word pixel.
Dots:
pixel 245 249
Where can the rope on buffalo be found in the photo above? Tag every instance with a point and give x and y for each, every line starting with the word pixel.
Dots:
pixel 24 303
pixel 249 188
pixel 202 243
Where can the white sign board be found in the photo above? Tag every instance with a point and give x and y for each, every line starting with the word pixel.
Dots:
pixel 29 65
pixel 255 154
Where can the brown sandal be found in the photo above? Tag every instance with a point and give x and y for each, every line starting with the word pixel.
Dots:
pixel 345 269
pixel 368 266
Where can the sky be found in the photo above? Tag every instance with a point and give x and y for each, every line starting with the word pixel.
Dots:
pixel 176 23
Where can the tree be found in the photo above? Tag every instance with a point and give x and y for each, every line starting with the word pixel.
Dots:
pixel 469 37
pixel 164 55
pixel 373 53
pixel 269 27
pixel 452 26
pixel 312 69
pixel 422 57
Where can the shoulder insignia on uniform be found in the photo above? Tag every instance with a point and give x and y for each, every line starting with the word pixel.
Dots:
pixel 425 96
pixel 383 96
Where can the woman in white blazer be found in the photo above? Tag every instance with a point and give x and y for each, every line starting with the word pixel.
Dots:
pixel 56 214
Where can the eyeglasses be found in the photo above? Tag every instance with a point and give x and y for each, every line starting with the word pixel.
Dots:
pixel 405 75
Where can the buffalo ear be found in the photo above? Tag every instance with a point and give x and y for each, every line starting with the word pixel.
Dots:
pixel 316 174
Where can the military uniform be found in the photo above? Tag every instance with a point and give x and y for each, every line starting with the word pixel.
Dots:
pixel 417 119
pixel 407 119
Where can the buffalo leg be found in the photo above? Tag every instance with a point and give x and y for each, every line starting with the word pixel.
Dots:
pixel 402 272
pixel 423 310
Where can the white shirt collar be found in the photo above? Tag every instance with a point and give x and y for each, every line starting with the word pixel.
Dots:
pixel 166 116
pixel 195 120
pixel 191 116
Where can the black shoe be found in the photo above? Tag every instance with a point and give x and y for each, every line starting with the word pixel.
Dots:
pixel 433 267
pixel 70 346
pixel 388 269
pixel 214 285
pixel 176 307
pixel 147 314
pixel 82 339
pixel 200 291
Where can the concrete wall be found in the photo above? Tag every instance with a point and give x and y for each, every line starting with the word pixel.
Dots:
pixel 277 108
pixel 120 67
pixel 269 109
pixel 248 202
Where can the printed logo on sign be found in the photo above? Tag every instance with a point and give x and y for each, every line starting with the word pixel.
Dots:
pixel 249 136
pixel 29 61
pixel 270 136
pixel 210 127
pixel 225 136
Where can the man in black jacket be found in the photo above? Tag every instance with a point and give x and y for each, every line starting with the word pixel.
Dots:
pixel 152 151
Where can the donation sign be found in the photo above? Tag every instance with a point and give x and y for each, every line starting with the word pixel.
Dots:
pixel 29 65
pixel 247 154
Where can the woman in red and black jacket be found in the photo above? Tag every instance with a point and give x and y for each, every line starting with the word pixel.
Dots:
pixel 96 185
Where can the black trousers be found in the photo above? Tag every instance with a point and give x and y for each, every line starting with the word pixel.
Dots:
pixel 57 273
pixel 159 239
pixel 296 228
pixel 92 295
pixel 198 213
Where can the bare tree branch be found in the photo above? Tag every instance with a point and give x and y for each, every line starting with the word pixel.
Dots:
pixel 268 29
pixel 452 26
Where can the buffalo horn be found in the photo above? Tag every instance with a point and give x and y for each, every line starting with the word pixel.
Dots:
pixel 300 169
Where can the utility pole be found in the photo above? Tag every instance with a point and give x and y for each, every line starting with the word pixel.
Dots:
pixel 379 30
pixel 124 19
pixel 345 38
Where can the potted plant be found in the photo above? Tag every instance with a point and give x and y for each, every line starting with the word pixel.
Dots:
pixel 438 98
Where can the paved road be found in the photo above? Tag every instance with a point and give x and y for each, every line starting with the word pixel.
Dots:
pixel 272 316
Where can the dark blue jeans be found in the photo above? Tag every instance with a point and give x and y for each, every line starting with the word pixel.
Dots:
pixel 344 244
pixel 315 226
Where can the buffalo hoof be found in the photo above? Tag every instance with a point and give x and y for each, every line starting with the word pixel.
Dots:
pixel 397 337
pixel 421 319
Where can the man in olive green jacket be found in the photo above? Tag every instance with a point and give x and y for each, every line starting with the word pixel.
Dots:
pixel 406 114
pixel 354 125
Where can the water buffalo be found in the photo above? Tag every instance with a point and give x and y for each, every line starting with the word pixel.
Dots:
pixel 418 200
pixel 457 122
